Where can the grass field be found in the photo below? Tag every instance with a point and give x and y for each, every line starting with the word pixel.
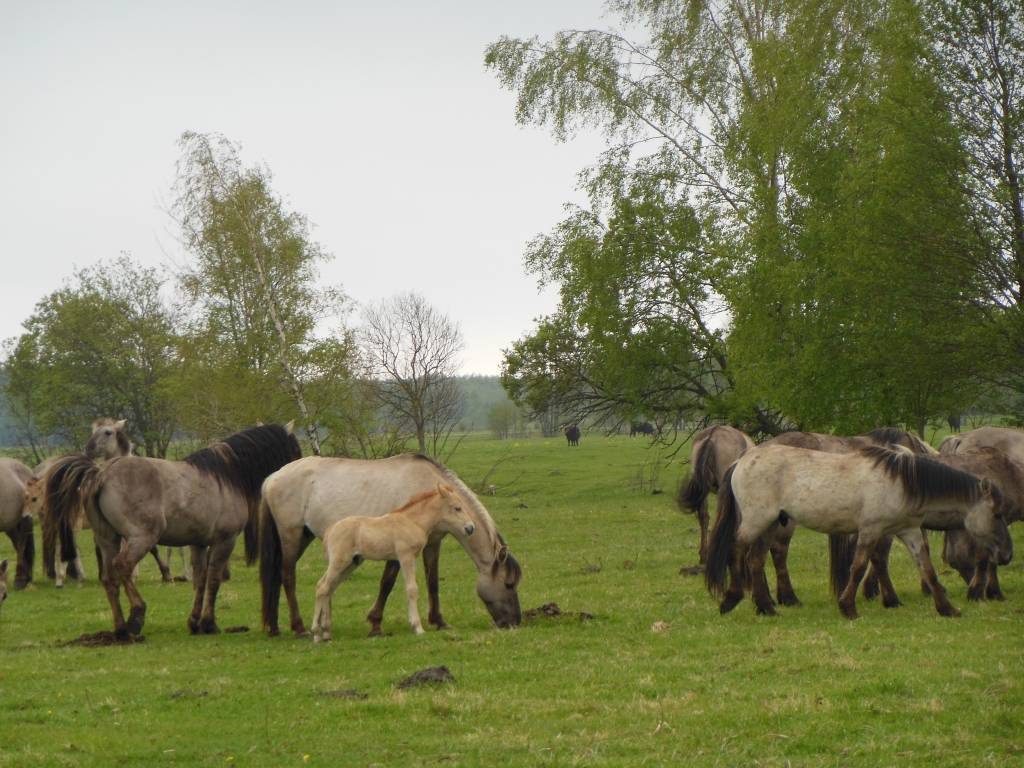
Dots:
pixel 807 688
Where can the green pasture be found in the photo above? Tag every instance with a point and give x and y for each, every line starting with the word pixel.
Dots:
pixel 806 688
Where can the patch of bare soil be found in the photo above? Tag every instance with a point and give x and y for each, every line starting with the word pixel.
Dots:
pixel 102 639
pixel 346 693
pixel 552 611
pixel 691 570
pixel 236 630
pixel 429 676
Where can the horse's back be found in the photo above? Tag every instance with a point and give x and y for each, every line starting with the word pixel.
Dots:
pixel 1009 441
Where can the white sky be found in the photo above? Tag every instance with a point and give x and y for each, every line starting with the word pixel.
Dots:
pixel 377 120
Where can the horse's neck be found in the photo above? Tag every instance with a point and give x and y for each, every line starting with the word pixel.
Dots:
pixel 425 515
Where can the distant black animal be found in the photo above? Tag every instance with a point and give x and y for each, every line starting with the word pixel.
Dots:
pixel 572 434
pixel 642 428
pixel 954 422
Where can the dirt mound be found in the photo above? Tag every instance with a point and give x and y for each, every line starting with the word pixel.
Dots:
pixel 101 639
pixel 236 630
pixel 552 611
pixel 431 675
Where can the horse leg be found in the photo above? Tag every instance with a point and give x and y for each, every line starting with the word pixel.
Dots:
pixel 199 561
pixel 848 597
pixel 163 565
pixel 288 562
pixel 780 558
pixel 976 587
pixel 763 603
pixel 17 537
pixel 79 568
pixel 737 577
pixel 216 565
pixel 105 553
pixel 338 569
pixel 412 592
pixel 60 569
pixel 992 590
pixel 872 587
pixel 123 565
pixel 387 583
pixel 914 541
pixel 431 559
pixel 702 521
pixel 880 570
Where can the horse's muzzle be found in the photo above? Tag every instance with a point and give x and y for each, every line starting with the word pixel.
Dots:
pixel 469 529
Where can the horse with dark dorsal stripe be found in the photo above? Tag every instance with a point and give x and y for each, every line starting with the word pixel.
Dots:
pixel 873 492
pixel 135 503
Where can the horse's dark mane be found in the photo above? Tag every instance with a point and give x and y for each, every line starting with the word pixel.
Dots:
pixel 924 479
pixel 895 436
pixel 245 459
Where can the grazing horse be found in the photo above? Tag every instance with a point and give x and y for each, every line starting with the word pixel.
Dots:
pixel 304 499
pixel 399 535
pixel 1009 441
pixel 713 450
pixel 641 428
pixel 13 519
pixel 954 422
pixel 572 435
pixel 134 503
pixel 873 492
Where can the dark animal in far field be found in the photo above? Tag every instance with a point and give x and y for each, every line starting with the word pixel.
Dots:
pixel 954 422
pixel 572 435
pixel 641 428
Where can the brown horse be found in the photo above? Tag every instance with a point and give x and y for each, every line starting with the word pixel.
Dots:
pixel 303 500
pixel 873 492
pixel 572 435
pixel 13 519
pixel 134 503
pixel 713 451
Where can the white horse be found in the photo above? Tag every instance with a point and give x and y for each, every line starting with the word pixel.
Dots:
pixel 399 535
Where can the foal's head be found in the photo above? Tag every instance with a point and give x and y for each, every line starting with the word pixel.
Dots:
pixel 34 494
pixel 454 511
pixel 3 581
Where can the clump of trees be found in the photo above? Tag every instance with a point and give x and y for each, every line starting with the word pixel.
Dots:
pixel 233 338
pixel 809 213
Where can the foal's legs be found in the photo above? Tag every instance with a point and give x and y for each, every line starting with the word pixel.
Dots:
pixel 387 583
pixel 412 591
pixel 848 597
pixel 340 564
pixel 913 538
pixel 431 559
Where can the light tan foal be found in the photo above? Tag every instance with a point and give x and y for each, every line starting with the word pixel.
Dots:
pixel 399 535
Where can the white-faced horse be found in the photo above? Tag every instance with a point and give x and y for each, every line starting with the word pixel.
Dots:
pixel 135 503
pixel 304 499
pixel 874 492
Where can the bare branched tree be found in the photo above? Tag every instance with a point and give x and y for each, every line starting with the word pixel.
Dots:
pixel 413 351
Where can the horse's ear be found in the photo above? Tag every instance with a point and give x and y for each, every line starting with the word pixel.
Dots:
pixel 259 423
pixel 441 489
pixel 119 424
pixel 503 553
pixel 96 424
pixel 986 486
pixel 290 427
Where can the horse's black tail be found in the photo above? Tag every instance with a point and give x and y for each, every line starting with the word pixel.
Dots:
pixel 251 535
pixel 841 547
pixel 702 481
pixel 271 558
pixel 49 553
pixel 723 537
pixel 26 537
pixel 72 483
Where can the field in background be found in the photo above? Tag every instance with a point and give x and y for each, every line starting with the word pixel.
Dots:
pixel 805 688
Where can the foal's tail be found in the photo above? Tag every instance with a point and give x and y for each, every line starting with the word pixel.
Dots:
pixel 841 547
pixel 271 558
pixel 702 481
pixel 723 537
pixel 72 483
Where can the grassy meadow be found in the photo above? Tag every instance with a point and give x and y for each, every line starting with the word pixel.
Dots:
pixel 806 688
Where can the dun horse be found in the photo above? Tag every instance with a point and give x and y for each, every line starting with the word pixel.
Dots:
pixel 135 503
pixel 873 492
pixel 13 519
pixel 399 535
pixel 303 500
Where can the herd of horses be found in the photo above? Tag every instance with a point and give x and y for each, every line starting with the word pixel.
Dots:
pixel 862 491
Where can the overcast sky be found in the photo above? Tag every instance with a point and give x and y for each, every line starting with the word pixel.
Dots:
pixel 377 120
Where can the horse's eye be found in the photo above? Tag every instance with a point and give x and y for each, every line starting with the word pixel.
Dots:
pixel 107 432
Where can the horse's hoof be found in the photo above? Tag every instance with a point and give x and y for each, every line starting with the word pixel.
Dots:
pixel 850 612
pixel 273 631
pixel 208 627
pixel 59 586
pixel 122 633
pixel 950 612
pixel 893 603
pixel 193 625
pixel 790 600
pixel 302 633
pixel 418 631
pixel 996 596
pixel 728 604
pixel 766 610
pixel 20 585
